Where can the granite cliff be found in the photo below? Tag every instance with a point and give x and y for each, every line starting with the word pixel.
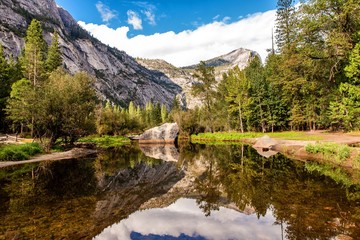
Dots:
pixel 119 77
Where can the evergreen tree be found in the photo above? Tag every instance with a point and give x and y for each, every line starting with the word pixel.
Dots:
pixel 205 88
pixel 285 23
pixel 237 87
pixel 54 59
pixel 34 54
pixel 164 113
pixel 132 111
pixel 345 113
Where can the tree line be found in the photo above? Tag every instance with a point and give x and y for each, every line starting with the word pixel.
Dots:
pixel 39 98
pixel 309 81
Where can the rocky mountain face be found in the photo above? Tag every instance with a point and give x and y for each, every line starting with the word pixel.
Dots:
pixel 222 64
pixel 119 78
pixel 184 76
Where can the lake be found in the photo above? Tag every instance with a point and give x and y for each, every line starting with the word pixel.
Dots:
pixel 191 192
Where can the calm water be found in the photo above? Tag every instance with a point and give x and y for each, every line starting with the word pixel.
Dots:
pixel 197 192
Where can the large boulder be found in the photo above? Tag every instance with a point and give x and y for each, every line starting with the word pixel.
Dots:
pixel 265 142
pixel 166 133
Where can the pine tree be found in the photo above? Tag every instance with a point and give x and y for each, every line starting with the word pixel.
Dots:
pixel 285 23
pixel 132 111
pixel 164 113
pixel 34 55
pixel 54 59
pixel 205 89
pixel 237 87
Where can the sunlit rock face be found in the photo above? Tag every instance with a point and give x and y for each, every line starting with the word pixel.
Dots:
pixel 184 76
pixel 166 133
pixel 119 77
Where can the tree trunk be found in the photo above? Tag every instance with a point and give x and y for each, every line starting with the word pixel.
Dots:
pixel 240 119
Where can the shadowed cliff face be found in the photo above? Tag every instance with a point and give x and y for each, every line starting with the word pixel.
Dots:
pixel 119 77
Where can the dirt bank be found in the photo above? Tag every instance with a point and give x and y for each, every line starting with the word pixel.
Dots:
pixel 296 149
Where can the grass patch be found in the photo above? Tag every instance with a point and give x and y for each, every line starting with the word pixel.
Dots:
pixel 331 151
pixel 223 136
pixel 105 141
pixel 19 151
pixel 356 162
pixel 235 136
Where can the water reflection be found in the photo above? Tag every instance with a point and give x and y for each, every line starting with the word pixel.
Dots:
pixel 231 190
pixel 185 220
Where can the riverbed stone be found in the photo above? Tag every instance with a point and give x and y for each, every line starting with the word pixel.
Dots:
pixel 166 133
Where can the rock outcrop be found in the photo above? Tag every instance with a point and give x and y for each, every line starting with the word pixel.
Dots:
pixel 239 57
pixel 184 76
pixel 166 133
pixel 119 78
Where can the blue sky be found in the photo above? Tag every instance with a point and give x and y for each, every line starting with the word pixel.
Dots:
pixel 181 32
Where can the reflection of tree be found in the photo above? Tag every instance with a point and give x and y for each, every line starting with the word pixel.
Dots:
pixel 311 206
pixel 208 186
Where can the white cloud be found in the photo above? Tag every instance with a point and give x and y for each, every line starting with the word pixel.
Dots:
pixel 134 20
pixel 150 16
pixel 106 13
pixel 191 46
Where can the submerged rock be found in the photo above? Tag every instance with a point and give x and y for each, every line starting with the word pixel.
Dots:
pixel 166 133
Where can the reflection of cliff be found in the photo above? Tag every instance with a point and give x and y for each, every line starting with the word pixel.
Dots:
pixel 67 200
pixel 129 188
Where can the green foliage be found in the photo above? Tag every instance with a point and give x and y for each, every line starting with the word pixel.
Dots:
pixel 237 94
pixel 205 90
pixel 54 59
pixel 61 107
pixel 34 55
pixel 285 23
pixel 113 120
pixel 9 73
pixel 22 103
pixel 106 141
pixel 345 113
pixel 19 151
pixel 331 151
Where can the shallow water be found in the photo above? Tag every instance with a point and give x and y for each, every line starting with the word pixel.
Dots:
pixel 210 192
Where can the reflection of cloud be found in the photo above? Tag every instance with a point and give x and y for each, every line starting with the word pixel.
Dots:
pixel 189 47
pixel 106 13
pixel 134 20
pixel 185 217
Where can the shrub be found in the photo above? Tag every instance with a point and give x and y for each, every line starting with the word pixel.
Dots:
pixel 19 152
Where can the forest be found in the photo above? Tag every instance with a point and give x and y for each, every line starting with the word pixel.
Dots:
pixel 310 80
